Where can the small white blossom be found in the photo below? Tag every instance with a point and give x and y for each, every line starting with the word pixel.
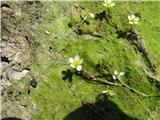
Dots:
pixel 85 14
pixel 47 33
pixel 91 15
pixel 117 75
pixel 109 92
pixel 108 3
pixel 76 63
pixel 133 19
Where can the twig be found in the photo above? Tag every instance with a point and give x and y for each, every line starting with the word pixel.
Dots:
pixel 132 89
pixel 90 78
pixel 81 31
pixel 107 82
pixel 136 91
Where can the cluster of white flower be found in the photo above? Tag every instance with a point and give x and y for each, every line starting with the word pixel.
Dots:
pixel 76 61
pixel 132 18
pixel 109 3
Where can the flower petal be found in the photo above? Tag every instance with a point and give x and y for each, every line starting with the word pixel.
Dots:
pixel 105 91
pixel 104 4
pixel 137 22
pixel 79 68
pixel 115 72
pixel 113 4
pixel 81 61
pixel 114 77
pixel 77 57
pixel 137 19
pixel 129 17
pixel 121 73
pixel 91 15
pixel 72 65
pixel 71 60
pixel 133 16
pixel 130 22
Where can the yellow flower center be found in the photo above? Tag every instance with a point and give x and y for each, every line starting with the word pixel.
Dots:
pixel 133 20
pixel 109 91
pixel 108 4
pixel 76 63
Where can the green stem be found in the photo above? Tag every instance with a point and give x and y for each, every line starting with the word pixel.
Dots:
pixel 83 21
pixel 85 75
pixel 132 89
pixel 89 78
pixel 131 28
pixel 109 20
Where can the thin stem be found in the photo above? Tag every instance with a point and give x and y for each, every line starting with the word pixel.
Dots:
pixel 109 21
pixel 136 91
pixel 131 28
pixel 107 82
pixel 132 89
pixel 89 78
pixel 83 21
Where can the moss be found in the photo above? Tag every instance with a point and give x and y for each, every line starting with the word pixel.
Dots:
pixel 56 98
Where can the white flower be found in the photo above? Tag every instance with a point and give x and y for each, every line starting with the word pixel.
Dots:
pixel 76 63
pixel 133 19
pixel 117 75
pixel 85 14
pixel 47 33
pixel 108 3
pixel 91 15
pixel 109 92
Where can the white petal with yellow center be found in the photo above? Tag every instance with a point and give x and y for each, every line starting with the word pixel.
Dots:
pixel 79 68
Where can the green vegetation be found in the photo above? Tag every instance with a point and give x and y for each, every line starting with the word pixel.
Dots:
pixel 56 98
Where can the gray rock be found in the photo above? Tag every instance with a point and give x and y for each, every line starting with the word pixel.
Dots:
pixel 18 75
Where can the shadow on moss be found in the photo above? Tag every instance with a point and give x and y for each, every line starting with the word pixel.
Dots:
pixel 102 109
pixel 67 75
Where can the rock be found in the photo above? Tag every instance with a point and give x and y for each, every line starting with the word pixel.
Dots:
pixel 18 75
pixel 33 83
